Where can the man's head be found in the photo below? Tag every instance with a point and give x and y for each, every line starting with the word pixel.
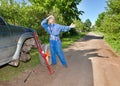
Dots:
pixel 51 19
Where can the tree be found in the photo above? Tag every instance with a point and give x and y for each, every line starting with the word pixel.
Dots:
pixel 88 24
pixel 110 18
pixel 100 19
pixel 31 12
pixel 79 25
pixel 109 23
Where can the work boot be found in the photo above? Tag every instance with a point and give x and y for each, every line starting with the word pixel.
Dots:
pixel 53 64
pixel 66 66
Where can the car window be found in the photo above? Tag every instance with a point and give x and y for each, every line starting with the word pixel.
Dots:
pixel 2 22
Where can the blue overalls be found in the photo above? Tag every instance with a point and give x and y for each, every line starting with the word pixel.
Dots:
pixel 55 42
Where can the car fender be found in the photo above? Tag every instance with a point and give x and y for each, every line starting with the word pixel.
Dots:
pixel 20 43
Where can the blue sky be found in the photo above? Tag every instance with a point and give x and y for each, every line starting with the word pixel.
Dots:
pixel 92 9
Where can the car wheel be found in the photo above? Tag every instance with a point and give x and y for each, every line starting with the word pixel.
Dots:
pixel 46 49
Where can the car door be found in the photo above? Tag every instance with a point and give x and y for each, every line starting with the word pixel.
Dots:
pixel 5 42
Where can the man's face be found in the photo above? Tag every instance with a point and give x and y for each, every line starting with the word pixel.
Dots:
pixel 51 20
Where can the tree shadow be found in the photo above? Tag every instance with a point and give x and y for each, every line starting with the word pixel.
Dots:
pixel 90 37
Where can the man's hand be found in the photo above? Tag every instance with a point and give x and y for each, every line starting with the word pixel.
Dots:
pixel 72 25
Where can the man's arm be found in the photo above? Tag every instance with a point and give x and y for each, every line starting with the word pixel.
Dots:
pixel 66 28
pixel 44 24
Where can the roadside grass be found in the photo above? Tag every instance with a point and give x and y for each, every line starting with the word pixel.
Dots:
pixel 8 72
pixel 67 41
pixel 115 44
pixel 98 33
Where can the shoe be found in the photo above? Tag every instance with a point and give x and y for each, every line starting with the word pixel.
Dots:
pixel 65 66
pixel 53 64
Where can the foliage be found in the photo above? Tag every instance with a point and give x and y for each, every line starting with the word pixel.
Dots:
pixel 79 25
pixel 87 24
pixel 30 13
pixel 109 23
pixel 100 19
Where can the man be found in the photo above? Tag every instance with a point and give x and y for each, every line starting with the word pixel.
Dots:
pixel 55 43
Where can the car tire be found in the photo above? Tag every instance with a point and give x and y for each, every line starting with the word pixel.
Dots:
pixel 45 48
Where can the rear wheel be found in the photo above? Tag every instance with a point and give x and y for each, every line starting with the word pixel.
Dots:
pixel 46 49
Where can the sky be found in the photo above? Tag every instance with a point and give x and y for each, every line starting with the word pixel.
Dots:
pixel 92 9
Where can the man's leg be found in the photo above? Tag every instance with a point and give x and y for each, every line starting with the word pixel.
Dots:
pixel 60 53
pixel 53 51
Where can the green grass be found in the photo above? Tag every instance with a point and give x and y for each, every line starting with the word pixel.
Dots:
pixel 99 33
pixel 67 41
pixel 115 44
pixel 8 72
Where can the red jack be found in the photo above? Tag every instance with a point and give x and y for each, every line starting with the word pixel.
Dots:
pixel 44 55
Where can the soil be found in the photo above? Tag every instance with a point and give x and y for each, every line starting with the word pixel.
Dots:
pixel 91 62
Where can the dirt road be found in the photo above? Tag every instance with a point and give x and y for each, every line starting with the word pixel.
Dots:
pixel 91 62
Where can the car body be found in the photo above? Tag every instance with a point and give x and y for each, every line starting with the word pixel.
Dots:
pixel 15 43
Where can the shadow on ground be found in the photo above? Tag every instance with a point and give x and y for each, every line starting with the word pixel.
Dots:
pixel 90 37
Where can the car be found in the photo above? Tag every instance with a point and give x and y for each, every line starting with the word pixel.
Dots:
pixel 15 43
